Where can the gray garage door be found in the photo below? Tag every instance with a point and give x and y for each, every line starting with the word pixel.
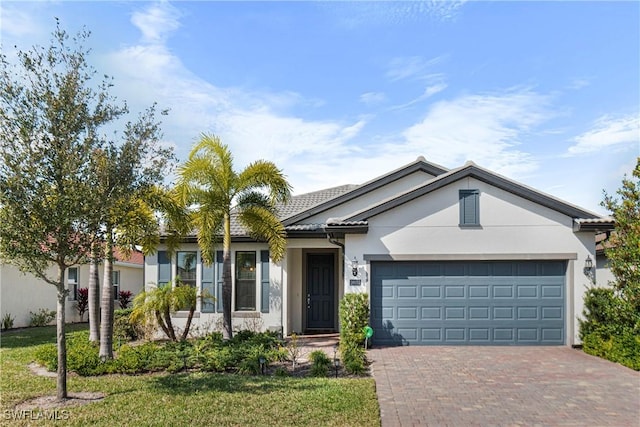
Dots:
pixel 472 303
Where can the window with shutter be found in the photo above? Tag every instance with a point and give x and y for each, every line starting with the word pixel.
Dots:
pixel 469 208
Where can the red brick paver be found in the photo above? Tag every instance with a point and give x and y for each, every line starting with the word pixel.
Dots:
pixel 503 386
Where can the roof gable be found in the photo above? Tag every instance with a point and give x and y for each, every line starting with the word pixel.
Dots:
pixel 419 165
pixel 470 169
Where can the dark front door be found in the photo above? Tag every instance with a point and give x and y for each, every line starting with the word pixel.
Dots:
pixel 320 291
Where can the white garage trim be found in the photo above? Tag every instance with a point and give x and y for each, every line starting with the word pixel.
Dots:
pixel 471 257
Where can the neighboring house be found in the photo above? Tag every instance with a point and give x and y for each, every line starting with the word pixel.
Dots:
pixel 461 256
pixel 22 293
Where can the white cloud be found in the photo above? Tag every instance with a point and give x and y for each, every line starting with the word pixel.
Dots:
pixel 608 132
pixel 156 22
pixel 579 83
pixel 428 93
pixel 485 128
pixel 255 124
pixel 373 98
pixel 18 21
pixel 366 13
pixel 414 67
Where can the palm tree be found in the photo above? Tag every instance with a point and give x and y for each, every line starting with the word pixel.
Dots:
pixel 208 183
pixel 127 178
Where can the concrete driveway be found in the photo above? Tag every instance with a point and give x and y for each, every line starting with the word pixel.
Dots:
pixel 503 386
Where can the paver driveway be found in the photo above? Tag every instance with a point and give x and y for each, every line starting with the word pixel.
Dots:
pixel 505 386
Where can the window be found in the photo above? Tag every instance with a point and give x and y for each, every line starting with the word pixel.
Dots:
pixel 72 283
pixel 469 208
pixel 115 280
pixel 245 281
pixel 187 268
pixel 164 268
pixel 207 286
pixel 264 281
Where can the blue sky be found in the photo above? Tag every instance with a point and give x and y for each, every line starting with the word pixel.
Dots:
pixel 547 93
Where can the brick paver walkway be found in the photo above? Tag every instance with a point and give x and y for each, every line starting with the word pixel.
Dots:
pixel 503 386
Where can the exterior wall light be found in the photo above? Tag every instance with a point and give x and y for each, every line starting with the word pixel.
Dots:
pixel 354 267
pixel 589 269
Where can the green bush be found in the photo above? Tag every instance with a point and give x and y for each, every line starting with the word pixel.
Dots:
pixel 218 359
pixel 604 313
pixel 320 363
pixel 610 329
pixel 42 317
pixel 133 360
pixel 623 348
pixel 209 353
pixel 125 328
pixel 354 317
pixel 82 356
pixel 47 356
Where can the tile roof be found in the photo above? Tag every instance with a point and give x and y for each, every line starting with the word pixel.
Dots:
pixel 135 257
pixel 305 201
pixel 296 205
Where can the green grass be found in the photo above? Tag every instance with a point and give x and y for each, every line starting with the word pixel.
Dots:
pixel 186 399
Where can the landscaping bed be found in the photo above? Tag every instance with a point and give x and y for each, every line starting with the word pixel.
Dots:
pixel 184 397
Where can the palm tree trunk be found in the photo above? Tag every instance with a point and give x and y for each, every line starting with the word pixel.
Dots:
pixel 185 333
pixel 106 302
pixel 61 382
pixel 226 279
pixel 94 295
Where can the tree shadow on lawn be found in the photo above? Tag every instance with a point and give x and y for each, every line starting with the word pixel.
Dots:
pixel 188 383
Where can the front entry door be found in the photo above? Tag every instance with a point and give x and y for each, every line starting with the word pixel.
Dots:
pixel 320 291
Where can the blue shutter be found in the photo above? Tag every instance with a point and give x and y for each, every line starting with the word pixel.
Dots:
pixel 164 268
pixel 208 273
pixel 219 262
pixel 264 281
pixel 469 207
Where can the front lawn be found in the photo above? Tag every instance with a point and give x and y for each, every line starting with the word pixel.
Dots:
pixel 185 398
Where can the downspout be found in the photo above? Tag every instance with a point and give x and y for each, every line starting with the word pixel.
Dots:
pixel 335 242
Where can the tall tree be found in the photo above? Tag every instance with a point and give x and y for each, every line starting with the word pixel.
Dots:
pixel 208 183
pixel 51 108
pixel 623 248
pixel 128 179
pixel 94 292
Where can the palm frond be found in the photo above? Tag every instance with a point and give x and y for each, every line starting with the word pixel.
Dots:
pixel 265 175
pixel 264 225
pixel 255 199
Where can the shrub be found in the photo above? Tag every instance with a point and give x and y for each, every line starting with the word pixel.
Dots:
pixel 320 363
pixel 82 303
pixel 354 317
pixel 601 313
pixel 218 359
pixel 250 361
pixel 133 360
pixel 42 317
pixel 7 321
pixel 623 348
pixel 125 328
pixel 82 356
pixel 124 299
pixel 47 356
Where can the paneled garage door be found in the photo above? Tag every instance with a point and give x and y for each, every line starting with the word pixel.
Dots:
pixel 468 303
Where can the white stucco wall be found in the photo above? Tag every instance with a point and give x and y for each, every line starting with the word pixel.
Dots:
pixel 511 227
pixel 603 274
pixel 373 197
pixel 21 293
